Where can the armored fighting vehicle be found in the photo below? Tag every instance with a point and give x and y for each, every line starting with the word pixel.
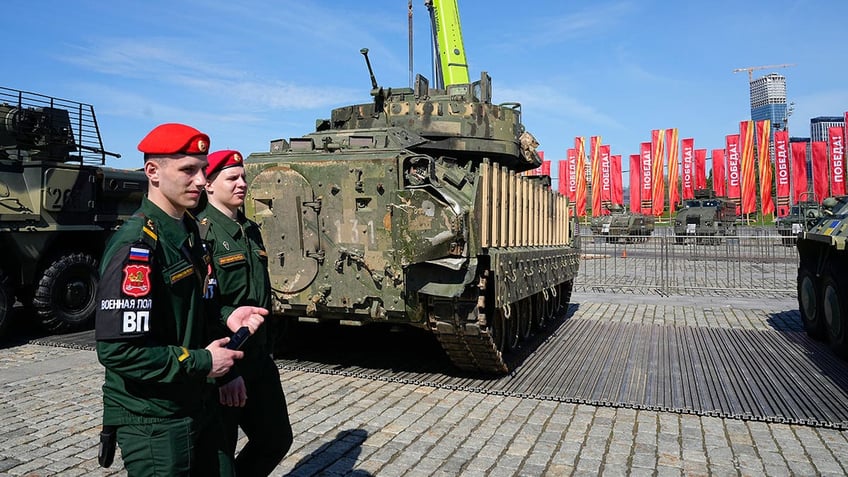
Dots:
pixel 58 204
pixel 411 210
pixel 802 216
pixel 622 224
pixel 706 218
pixel 823 275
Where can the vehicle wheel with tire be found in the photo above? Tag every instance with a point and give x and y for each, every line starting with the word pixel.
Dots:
pixel 65 297
pixel 834 314
pixel 808 303
pixel 7 302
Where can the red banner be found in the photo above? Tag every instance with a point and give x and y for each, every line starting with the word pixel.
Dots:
pixel 595 164
pixel 764 162
pixel 562 181
pixel 617 186
pixel 657 171
pixel 545 168
pixel 837 160
pixel 673 173
pixel 700 167
pixel 580 199
pixel 719 184
pixel 645 176
pixel 687 149
pixel 606 180
pixel 820 186
pixel 734 179
pixel 571 175
pixel 635 183
pixel 799 171
pixel 781 166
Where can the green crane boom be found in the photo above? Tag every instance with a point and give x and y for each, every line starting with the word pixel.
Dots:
pixel 452 67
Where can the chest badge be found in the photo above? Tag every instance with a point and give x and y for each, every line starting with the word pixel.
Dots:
pixel 226 244
pixel 136 280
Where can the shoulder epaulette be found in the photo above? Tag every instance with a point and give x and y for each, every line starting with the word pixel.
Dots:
pixel 203 228
pixel 149 236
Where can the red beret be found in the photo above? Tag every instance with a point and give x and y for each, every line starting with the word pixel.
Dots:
pixel 174 138
pixel 221 160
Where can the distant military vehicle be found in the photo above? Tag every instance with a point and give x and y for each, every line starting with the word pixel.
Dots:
pixel 823 275
pixel 706 218
pixel 802 216
pixel 410 210
pixel 622 224
pixel 58 205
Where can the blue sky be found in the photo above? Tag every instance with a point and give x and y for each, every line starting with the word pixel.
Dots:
pixel 250 71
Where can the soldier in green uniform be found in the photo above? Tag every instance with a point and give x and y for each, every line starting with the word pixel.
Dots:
pixel 152 322
pixel 251 393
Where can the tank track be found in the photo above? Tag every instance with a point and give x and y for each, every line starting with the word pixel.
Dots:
pixel 468 344
pixel 463 327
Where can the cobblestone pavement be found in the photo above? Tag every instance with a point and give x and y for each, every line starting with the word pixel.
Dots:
pixel 50 410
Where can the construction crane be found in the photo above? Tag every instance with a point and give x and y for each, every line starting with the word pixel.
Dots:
pixel 451 68
pixel 750 69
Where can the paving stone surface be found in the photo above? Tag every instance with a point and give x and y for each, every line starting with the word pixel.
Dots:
pixel 348 426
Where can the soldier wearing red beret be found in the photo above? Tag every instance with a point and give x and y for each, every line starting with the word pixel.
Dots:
pixel 251 393
pixel 153 326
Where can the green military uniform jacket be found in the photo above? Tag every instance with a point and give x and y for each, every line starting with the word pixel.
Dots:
pixel 151 326
pixel 240 266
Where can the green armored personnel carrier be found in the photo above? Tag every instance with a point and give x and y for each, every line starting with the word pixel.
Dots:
pixel 705 219
pixel 411 209
pixel 58 204
pixel 823 275
pixel 622 224
pixel 801 217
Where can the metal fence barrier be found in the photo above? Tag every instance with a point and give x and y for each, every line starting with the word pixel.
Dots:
pixel 757 261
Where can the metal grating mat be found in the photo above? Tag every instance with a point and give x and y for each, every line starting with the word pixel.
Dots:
pixel 758 375
pixel 763 375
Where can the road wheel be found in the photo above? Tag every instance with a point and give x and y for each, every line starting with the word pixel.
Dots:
pixel 512 339
pixel 834 314
pixel 525 317
pixel 564 293
pixel 7 302
pixel 66 294
pixel 498 329
pixel 808 303
pixel 540 311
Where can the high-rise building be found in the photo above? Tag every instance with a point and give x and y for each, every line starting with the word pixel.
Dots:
pixel 819 126
pixel 768 100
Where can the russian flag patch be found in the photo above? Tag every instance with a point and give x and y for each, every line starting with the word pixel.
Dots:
pixel 139 254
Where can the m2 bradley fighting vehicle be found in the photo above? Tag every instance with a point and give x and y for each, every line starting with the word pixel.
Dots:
pixel 706 218
pixel 823 275
pixel 622 224
pixel 411 210
pixel 58 204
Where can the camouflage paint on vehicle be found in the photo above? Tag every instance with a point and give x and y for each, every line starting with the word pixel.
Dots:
pixel 823 275
pixel 58 204
pixel 622 224
pixel 706 218
pixel 412 210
